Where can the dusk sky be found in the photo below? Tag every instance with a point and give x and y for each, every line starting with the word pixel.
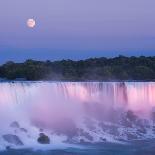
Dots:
pixel 76 29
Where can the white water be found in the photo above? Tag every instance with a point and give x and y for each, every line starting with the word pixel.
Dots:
pixel 72 111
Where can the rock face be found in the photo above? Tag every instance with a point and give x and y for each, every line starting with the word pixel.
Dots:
pixel 12 139
pixel 23 130
pixel 14 124
pixel 43 139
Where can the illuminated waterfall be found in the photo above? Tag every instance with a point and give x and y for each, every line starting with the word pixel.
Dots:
pixel 76 111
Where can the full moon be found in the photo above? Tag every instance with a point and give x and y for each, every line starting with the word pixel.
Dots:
pixel 31 23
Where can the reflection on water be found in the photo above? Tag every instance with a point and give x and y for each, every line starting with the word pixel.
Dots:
pixel 74 112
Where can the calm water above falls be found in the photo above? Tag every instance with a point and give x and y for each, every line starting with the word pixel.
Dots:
pixel 72 114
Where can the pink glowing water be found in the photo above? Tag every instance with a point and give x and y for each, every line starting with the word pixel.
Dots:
pixel 64 107
pixel 70 98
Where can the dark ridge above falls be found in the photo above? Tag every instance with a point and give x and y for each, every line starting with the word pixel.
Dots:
pixel 94 69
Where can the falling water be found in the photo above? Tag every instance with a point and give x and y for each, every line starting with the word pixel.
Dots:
pixel 77 112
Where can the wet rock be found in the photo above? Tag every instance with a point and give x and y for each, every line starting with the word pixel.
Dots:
pixel 139 133
pixel 8 147
pixel 82 141
pixel 131 116
pixel 120 139
pixel 131 136
pixel 103 139
pixel 43 139
pixel 85 134
pixel 153 116
pixel 14 124
pixel 128 119
pixel 142 130
pixel 23 130
pixel 127 123
pixel 70 140
pixel 153 129
pixel 12 139
pixel 142 123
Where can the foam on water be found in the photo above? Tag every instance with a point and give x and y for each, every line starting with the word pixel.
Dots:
pixel 76 112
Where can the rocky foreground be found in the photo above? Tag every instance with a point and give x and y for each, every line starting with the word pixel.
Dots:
pixel 128 127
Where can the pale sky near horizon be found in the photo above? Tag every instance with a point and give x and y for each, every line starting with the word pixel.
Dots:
pixel 76 29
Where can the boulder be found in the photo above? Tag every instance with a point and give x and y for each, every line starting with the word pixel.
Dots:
pixel 142 130
pixel 43 139
pixel 14 124
pixel 82 141
pixel 131 116
pixel 12 139
pixel 131 136
pixel 85 134
pixel 23 130
pixel 8 147
pixel 103 139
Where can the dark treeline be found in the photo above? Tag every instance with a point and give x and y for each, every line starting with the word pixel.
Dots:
pixel 97 69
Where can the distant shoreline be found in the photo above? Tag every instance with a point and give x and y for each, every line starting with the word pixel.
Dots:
pixel 54 81
pixel 118 69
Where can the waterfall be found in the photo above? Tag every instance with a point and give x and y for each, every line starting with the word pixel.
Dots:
pixel 77 111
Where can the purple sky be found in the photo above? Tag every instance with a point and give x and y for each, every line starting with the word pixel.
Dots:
pixel 76 28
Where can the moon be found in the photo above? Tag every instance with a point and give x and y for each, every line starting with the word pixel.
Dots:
pixel 31 23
